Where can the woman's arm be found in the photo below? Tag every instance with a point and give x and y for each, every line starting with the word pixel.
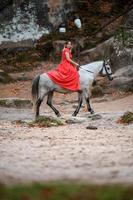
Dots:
pixel 70 60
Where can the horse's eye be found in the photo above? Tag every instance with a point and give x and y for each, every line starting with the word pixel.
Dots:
pixel 108 68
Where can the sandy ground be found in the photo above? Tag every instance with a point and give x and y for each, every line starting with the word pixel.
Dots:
pixel 68 152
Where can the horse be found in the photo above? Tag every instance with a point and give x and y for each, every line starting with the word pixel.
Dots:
pixel 43 86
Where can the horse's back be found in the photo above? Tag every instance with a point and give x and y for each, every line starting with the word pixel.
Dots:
pixel 46 82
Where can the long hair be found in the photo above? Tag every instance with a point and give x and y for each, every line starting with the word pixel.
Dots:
pixel 65 44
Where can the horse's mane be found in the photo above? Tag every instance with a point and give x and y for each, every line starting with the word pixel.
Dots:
pixel 89 66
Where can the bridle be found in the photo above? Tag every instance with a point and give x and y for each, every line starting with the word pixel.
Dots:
pixel 103 67
pixel 108 74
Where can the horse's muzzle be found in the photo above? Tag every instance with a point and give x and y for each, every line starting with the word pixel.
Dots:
pixel 110 78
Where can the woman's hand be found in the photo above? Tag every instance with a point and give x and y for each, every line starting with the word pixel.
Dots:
pixel 77 66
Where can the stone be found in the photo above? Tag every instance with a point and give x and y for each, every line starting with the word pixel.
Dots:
pixel 123 79
pixel 91 127
pixel 75 120
pixel 95 117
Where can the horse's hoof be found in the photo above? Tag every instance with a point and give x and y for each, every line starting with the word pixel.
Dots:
pixel 58 115
pixel 74 114
pixel 92 112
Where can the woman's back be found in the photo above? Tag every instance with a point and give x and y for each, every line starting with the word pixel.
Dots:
pixel 66 74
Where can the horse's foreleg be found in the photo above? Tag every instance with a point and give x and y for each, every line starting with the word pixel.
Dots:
pixel 49 102
pixel 88 105
pixel 80 100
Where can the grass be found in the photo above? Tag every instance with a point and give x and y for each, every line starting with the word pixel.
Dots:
pixel 66 191
pixel 41 122
pixel 127 118
pixel 46 122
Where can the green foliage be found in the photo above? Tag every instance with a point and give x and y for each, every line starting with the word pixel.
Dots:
pixel 2 102
pixel 127 118
pixel 46 122
pixel 124 37
pixel 66 191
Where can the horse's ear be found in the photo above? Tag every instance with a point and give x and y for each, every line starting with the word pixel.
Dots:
pixel 107 61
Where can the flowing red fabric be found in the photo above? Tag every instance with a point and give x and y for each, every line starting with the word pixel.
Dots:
pixel 65 74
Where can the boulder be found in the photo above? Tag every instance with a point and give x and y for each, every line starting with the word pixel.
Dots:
pixel 123 79
pixel 100 52
pixel 23 45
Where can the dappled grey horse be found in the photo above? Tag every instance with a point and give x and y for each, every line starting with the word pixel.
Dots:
pixel 43 86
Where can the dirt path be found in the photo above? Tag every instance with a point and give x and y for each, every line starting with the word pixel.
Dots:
pixel 69 152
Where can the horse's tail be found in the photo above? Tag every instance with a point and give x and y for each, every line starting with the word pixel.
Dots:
pixel 35 90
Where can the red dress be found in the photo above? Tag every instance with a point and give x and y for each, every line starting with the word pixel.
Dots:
pixel 65 74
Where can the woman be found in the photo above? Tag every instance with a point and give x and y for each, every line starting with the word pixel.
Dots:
pixel 66 74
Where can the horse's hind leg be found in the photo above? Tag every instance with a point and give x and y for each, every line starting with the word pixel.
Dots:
pixel 80 100
pixel 42 94
pixel 38 103
pixel 49 102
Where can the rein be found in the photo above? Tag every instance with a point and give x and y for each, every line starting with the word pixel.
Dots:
pixel 86 70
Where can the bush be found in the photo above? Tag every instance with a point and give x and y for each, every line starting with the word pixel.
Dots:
pixel 127 118
pixel 97 91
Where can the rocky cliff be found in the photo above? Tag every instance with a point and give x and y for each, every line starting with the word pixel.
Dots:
pixel 30 19
pixel 29 28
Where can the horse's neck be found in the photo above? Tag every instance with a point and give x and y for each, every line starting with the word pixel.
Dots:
pixel 94 67
pixel 98 66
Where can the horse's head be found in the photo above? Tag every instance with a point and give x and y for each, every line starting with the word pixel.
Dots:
pixel 106 70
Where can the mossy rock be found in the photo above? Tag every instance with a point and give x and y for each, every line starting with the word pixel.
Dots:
pixel 17 103
pixel 46 122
